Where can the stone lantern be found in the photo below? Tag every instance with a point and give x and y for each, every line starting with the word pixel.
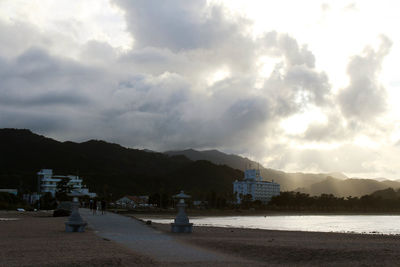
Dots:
pixel 181 223
pixel 75 222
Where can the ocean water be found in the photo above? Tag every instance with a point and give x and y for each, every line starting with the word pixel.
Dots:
pixel 8 219
pixel 365 224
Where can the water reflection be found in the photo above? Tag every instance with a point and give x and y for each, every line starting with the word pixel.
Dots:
pixel 366 224
pixel 8 219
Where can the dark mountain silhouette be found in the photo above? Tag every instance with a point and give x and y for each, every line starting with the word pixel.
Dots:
pixel 288 181
pixel 105 167
pixel 314 184
pixel 110 168
pixel 217 157
pixel 388 193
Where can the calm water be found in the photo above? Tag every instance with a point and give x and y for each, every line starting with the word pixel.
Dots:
pixel 366 224
pixel 8 219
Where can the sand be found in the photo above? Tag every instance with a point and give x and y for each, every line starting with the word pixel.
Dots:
pixel 36 239
pixel 297 248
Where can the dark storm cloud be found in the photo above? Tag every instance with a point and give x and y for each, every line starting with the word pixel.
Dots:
pixel 177 24
pixel 156 95
pixel 43 100
pixel 37 79
pixel 365 98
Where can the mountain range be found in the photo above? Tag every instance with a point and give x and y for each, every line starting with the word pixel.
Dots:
pixel 336 183
pixel 109 168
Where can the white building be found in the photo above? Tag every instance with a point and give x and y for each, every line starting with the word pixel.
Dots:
pixel 10 191
pixel 49 181
pixel 133 201
pixel 254 185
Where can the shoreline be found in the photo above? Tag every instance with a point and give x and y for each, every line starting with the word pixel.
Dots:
pixel 346 224
pixel 162 227
pixel 222 213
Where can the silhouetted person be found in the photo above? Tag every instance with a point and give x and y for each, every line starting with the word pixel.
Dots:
pixel 91 205
pixel 94 207
pixel 103 206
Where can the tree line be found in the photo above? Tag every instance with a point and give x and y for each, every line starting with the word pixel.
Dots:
pixel 296 201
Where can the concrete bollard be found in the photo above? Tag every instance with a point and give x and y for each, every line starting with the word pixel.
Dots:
pixel 181 223
pixel 75 222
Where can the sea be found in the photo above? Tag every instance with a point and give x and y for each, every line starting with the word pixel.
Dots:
pixel 362 224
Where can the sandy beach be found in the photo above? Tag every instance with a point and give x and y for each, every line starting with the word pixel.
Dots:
pixel 291 248
pixel 36 239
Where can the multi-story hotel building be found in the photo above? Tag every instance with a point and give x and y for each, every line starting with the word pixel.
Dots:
pixel 48 183
pixel 254 185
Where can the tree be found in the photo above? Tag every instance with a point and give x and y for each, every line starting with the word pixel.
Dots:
pixel 63 188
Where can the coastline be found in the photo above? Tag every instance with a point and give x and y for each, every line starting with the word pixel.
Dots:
pixel 221 213
pixel 37 239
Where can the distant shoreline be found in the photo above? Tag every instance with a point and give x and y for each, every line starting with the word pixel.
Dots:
pixel 218 213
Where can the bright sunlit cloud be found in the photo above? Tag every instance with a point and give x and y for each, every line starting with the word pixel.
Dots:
pixel 81 21
pixel 298 123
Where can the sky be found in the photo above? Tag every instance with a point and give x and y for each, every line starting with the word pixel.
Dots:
pixel 308 86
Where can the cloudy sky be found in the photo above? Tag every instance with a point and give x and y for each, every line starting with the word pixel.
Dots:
pixel 298 85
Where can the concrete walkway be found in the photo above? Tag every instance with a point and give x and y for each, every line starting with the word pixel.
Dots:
pixel 148 241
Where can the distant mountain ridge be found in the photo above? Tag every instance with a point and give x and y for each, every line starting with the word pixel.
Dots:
pixel 349 187
pixel 314 184
pixel 217 157
pixel 105 167
pixel 288 181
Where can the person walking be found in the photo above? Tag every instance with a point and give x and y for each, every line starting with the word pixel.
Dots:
pixel 103 207
pixel 94 207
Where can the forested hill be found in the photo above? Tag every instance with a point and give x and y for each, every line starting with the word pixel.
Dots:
pixel 314 184
pixel 288 181
pixel 105 167
pixel 110 168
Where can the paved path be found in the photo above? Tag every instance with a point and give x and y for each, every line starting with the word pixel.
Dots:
pixel 148 241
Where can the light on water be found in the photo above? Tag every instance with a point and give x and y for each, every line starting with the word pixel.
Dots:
pixel 8 219
pixel 365 224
